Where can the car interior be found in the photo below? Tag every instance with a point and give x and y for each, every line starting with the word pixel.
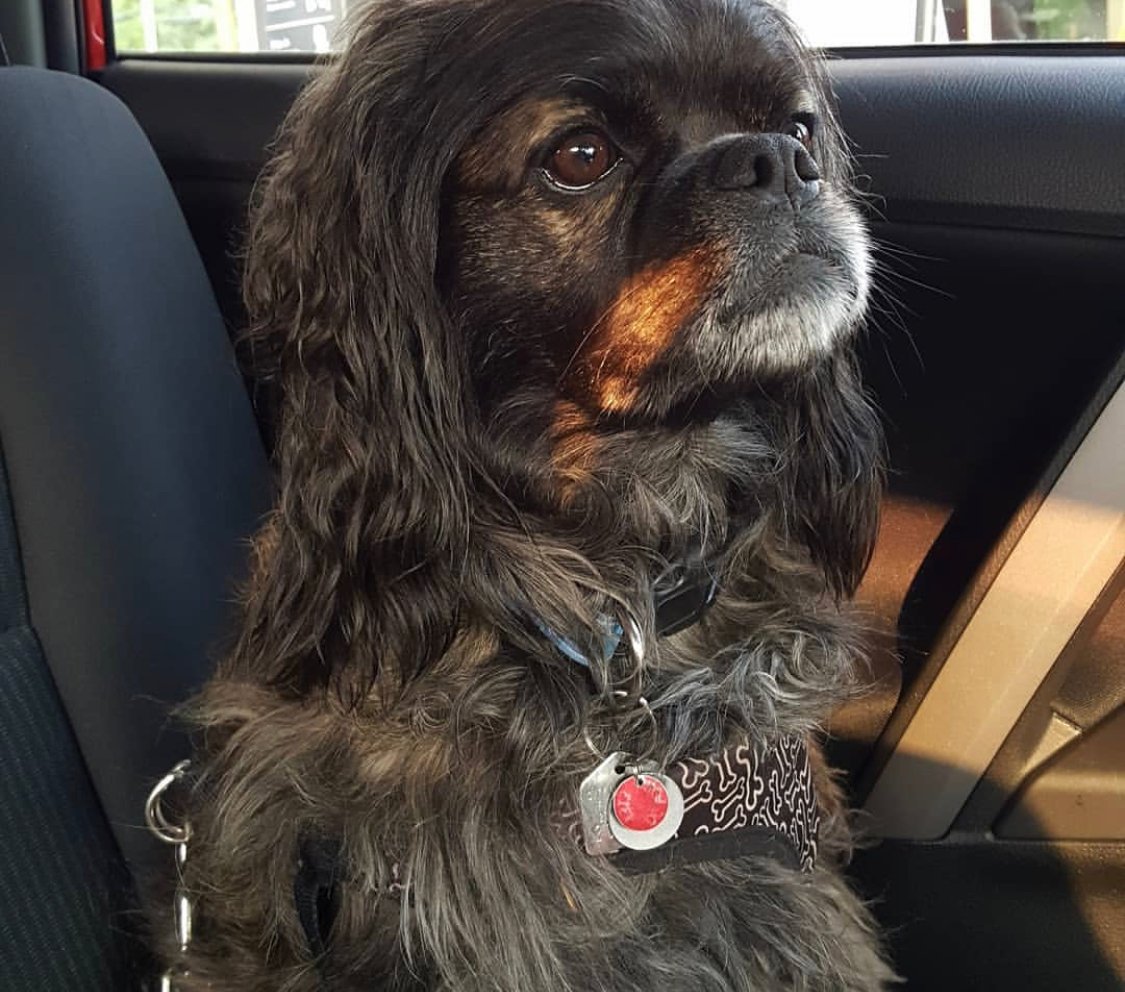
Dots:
pixel 988 760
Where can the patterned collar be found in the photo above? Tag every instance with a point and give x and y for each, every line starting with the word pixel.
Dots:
pixel 746 800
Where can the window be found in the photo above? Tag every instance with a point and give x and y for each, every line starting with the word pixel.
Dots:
pixel 226 25
pixel 312 25
pixel 843 23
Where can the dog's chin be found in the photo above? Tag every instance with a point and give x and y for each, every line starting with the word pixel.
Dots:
pixel 808 308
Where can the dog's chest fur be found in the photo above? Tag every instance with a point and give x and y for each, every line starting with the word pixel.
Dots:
pixel 452 803
pixel 454 797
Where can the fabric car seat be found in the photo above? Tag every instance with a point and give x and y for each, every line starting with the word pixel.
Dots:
pixel 131 474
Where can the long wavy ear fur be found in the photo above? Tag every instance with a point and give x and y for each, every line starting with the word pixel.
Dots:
pixel 837 460
pixel 348 336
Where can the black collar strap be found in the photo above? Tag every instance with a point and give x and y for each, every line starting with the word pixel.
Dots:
pixel 681 596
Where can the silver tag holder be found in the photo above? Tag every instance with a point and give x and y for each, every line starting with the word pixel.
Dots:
pixel 601 832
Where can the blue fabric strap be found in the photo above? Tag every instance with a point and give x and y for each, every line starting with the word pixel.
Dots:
pixel 612 633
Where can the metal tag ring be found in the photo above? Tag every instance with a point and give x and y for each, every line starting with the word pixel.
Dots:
pixel 596 751
pixel 600 753
pixel 158 823
pixel 654 728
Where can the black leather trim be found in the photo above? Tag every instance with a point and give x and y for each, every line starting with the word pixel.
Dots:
pixel 992 141
pixel 208 120
pixel 1017 141
pixel 135 464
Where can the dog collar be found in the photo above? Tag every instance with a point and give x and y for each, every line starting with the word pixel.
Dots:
pixel 746 800
pixel 681 596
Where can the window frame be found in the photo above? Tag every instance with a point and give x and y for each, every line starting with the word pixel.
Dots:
pixel 914 50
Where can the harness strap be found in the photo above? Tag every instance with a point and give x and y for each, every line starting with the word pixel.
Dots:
pixel 745 842
pixel 314 891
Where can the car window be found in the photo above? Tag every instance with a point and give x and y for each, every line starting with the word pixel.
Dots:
pixel 849 23
pixel 269 26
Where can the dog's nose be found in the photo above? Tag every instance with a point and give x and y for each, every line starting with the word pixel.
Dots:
pixel 771 166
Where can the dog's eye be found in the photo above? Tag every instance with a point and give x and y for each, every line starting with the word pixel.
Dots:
pixel 801 127
pixel 581 159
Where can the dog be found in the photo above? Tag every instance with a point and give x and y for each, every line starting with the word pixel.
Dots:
pixel 555 304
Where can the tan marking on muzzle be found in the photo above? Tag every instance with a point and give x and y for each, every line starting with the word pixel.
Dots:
pixel 642 322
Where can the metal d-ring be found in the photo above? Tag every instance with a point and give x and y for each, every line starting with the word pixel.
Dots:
pixel 629 632
pixel 596 751
pixel 601 754
pixel 654 726
pixel 158 823
pixel 634 639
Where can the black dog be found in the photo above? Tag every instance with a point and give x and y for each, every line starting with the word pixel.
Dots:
pixel 556 299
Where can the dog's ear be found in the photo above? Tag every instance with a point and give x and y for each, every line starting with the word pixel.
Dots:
pixel 836 471
pixel 348 336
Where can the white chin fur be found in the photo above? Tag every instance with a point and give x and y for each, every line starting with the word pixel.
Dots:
pixel 793 329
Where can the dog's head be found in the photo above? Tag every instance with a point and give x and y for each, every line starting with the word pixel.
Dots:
pixel 652 209
pixel 486 217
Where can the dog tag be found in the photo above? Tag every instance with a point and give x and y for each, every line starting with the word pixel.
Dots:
pixel 627 805
pixel 594 795
pixel 646 810
pixel 640 802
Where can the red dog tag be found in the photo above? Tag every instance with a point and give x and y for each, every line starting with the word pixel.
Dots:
pixel 628 805
pixel 645 809
pixel 640 802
